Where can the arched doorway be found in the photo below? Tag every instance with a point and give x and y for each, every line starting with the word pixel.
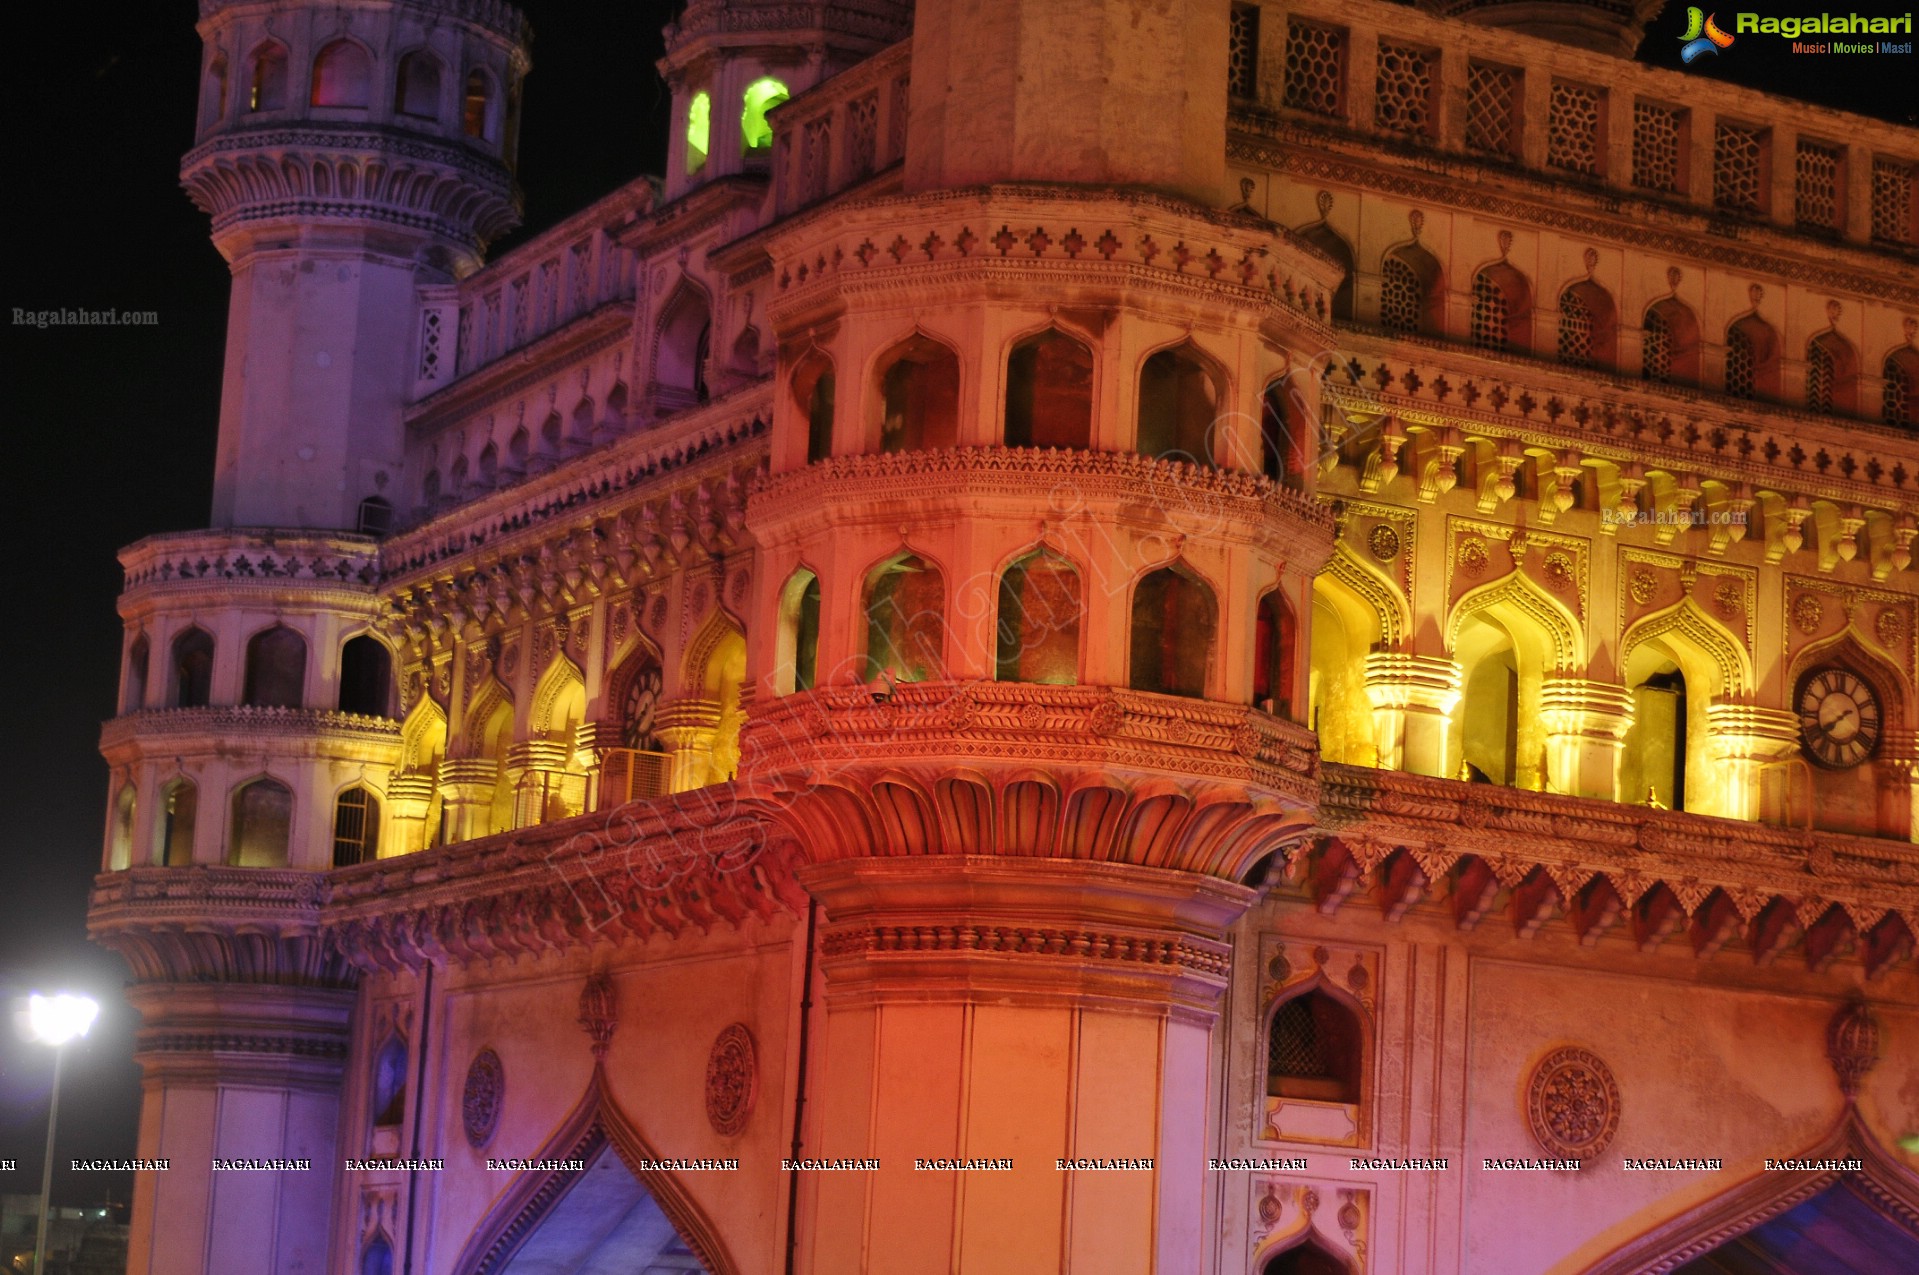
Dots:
pixel 605 1221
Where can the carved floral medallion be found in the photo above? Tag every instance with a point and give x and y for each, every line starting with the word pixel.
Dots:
pixel 732 1080
pixel 482 1097
pixel 1572 1104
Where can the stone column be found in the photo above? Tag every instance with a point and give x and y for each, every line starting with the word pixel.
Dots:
pixel 408 798
pixel 466 795
pixel 1413 698
pixel 685 728
pixel 1585 725
pixel 1747 744
pixel 1038 1012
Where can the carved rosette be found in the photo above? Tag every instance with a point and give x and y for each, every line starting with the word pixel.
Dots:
pixel 1572 1104
pixel 1852 1046
pixel 732 1080
pixel 599 1013
pixel 482 1097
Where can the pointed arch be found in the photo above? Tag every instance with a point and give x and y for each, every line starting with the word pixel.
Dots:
pixel 559 702
pixel 1322 236
pixel 707 652
pixel 1717 648
pixel 595 1127
pixel 1899 400
pixel 1175 631
pixel 1516 597
pixel 482 708
pixel 1391 617
pixel 1850 646
pixel 1752 358
pixel 1038 621
pixel 1588 326
pixel 633 697
pixel 192 669
pixel 1181 392
pixel 813 394
pixel 423 737
pixel 915 395
pixel 343 75
pixel 416 87
pixel 1049 390
pixel 276 666
pixel 1412 291
pixel 904 600
pixel 267 77
pixel 680 346
pixel 1832 373
pixel 1669 344
pixel 261 827
pixel 797 638
pixel 479 114
pixel 1884 1183
pixel 1502 303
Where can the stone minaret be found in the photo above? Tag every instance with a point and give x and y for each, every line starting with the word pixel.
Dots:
pixel 1025 665
pixel 347 153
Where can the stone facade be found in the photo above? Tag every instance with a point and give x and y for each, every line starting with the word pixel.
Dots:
pixel 1245 647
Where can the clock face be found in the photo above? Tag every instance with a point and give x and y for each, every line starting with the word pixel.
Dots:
pixel 642 698
pixel 1838 717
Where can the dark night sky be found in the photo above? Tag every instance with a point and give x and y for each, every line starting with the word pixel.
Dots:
pixel 114 428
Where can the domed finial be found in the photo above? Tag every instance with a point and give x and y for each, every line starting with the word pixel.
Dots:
pixel 1852 1045
pixel 1614 28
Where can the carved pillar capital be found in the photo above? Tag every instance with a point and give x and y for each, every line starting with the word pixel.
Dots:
pixel 1413 698
pixel 1585 724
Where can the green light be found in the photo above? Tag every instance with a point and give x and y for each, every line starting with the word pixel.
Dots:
pixel 761 96
pixel 699 114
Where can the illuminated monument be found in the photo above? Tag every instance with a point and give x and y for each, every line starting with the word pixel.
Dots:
pixel 1100 636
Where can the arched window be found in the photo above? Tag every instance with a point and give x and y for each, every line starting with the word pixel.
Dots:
pixel 616 407
pixel 1307 1258
pixel 490 465
pixel 356 828
pixel 1329 241
pixel 193 669
pixel 120 843
pixel 262 825
pixel 1490 707
pixel 416 90
pixel 430 489
pixel 1287 439
pixel 378 1257
pixel 1588 326
pixel 342 75
pixel 366 677
pixel 1752 358
pixel 1832 372
pixel 1178 403
pixel 518 448
pixel 1049 392
pixel 762 95
pixel 276 669
pixel 139 656
pixel 1671 343
pixel 919 396
pixel 1900 403
pixel 1039 609
pixel 552 435
pixel 389 1084
pixel 1314 1050
pixel 799 633
pixel 1501 308
pixel 813 392
pixel 1174 622
pixel 267 88
pixel 1410 296
pixel 699 130
pixel 906 621
pixel 679 361
pixel 179 804
pixel 476 106
pixel 213 106
pixel 374 517
pixel 1653 762
pixel 1274 638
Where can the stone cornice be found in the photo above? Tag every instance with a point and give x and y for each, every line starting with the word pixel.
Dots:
pixel 1301 152
pixel 218 726
pixel 1598 862
pixel 330 558
pixel 216 924
pixel 538 362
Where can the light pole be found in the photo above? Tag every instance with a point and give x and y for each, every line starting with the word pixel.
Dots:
pixel 54 1020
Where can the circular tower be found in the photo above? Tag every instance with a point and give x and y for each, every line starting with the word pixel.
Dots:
pixel 347 153
pixel 1027 686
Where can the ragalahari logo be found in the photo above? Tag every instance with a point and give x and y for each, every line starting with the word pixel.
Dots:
pixel 1702 36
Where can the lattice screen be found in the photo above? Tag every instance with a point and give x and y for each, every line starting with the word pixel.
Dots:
pixel 1575 330
pixel 1489 314
pixel 816 153
pixel 1741 364
pixel 1901 401
pixel 1815 187
pixel 1572 128
pixel 1315 68
pixel 896 122
pixel 1491 93
pixel 1294 1048
pixel 1737 164
pixel 1404 100
pixel 1400 299
pixel 1655 146
pixel 1892 213
pixel 1658 347
pixel 1242 52
pixel 1819 377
